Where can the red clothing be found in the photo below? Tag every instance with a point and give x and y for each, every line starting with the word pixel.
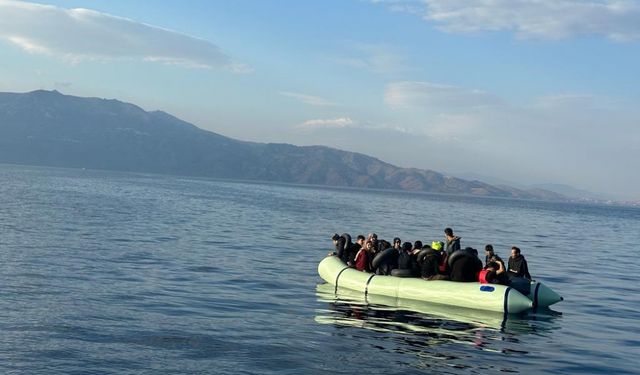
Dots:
pixel 362 260
pixel 487 277
pixel 442 267
pixel 482 277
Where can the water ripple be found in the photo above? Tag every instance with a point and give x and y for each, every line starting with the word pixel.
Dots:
pixel 111 273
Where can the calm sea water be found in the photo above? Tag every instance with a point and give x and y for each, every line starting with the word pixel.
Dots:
pixel 113 273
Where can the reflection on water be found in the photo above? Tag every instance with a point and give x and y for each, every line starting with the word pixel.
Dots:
pixel 438 335
pixel 110 273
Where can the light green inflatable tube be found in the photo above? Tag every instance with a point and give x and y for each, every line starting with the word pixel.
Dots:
pixel 489 297
pixel 542 295
pixel 327 293
pixel 343 298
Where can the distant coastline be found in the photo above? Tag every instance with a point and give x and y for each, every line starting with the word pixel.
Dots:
pixel 396 192
pixel 47 128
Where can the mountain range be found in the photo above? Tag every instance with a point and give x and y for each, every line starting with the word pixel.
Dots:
pixel 52 129
pixel 562 189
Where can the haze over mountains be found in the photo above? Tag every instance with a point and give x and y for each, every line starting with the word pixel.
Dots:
pixel 562 189
pixel 51 129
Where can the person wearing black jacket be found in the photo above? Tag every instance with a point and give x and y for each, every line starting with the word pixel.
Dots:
pixel 518 265
pixel 491 256
pixel 406 261
pixel 343 246
pixel 452 242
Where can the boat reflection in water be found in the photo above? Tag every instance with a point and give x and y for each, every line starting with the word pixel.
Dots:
pixel 419 327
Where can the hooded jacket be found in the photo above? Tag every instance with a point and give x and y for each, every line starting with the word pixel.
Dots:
pixel 452 244
pixel 343 247
pixel 495 258
pixel 518 267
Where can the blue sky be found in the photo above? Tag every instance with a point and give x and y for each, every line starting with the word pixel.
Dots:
pixel 527 91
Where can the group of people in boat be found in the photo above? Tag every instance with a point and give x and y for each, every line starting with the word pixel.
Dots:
pixel 440 260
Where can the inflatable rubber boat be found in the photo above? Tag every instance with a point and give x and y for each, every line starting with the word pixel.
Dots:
pixel 344 299
pixel 473 295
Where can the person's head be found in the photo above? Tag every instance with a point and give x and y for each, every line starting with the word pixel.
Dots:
pixel 383 244
pixel 417 245
pixel 448 232
pixel 515 251
pixel 493 266
pixel 335 238
pixel 360 240
pixel 437 245
pixel 372 237
pixel 488 250
pixel 396 242
pixel 406 246
pixel 368 245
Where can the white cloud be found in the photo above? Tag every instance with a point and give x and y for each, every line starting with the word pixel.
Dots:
pixel 452 127
pixel 62 85
pixel 568 137
pixel 435 97
pixel 572 138
pixel 308 99
pixel 617 20
pixel 346 123
pixel 442 112
pixel 574 101
pixel 78 35
pixel 377 58
pixel 449 113
pixel 340 122
pixel 241 68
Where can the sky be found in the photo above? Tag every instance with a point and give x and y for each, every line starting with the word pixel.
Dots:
pixel 527 91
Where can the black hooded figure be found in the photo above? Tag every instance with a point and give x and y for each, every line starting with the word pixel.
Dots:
pixel 518 265
pixel 344 247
